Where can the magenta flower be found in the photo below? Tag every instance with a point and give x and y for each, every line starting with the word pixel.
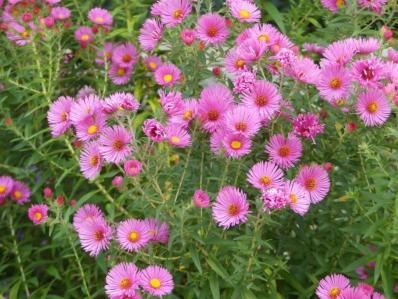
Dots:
pixel 242 120
pixel 173 12
pixel 332 286
pixel 178 136
pixel 366 46
pixel 91 127
pixel 38 213
pixel 212 29
pixel 120 75
pixel 114 144
pixel 236 145
pixel 234 62
pixel 188 112
pixel 167 74
pixel 172 102
pixel 95 235
pixel 84 108
pixel 334 5
pixel 100 16
pixel 340 52
pixel 375 5
pixel 353 293
pixel 154 130
pixel 315 180
pixel 58 116
pixel 84 35
pixel 245 11
pixel 159 231
pixel 132 167
pixel 201 199
pixel 251 50
pixel 156 280
pixel 85 214
pixel 120 101
pixel 231 207
pixel 368 72
pixel 90 160
pixel 132 235
pixel 125 55
pixel 244 82
pixel 20 192
pixel 264 33
pixel 264 175
pixel 314 48
pixel 104 54
pixel 152 63
pixel 298 197
pixel 334 83
pixel 188 36
pixel 284 152
pixel 373 107
pixel 150 34
pixel 6 186
pixel 60 13
pixel 307 125
pixel 122 280
pixel 274 199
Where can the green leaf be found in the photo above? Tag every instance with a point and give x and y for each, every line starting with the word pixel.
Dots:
pixel 214 286
pixel 14 291
pixel 275 15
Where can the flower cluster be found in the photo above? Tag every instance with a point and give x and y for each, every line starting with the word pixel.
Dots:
pixel 16 190
pixel 336 5
pixel 337 286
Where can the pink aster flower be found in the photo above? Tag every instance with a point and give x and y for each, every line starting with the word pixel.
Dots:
pixel 159 231
pixel 212 29
pixel 188 36
pixel 114 144
pixel 264 175
pixel 244 82
pixel 353 293
pixel 20 192
pixel 90 160
pixel 251 50
pixel 314 48
pixel 188 112
pixel 119 75
pixel 84 35
pixel 264 98
pixel 125 55
pixel 334 82
pixel 366 46
pixel 150 34
pixel 156 280
pixel 95 236
pixel 86 213
pixel 214 102
pixel 173 12
pixel 171 102
pixel 236 145
pixel 245 11
pixel 58 116
pixel 299 199
pixel 85 107
pixel 152 63
pixel 315 180
pixel 304 70
pixel 100 16
pixel 91 126
pixel 332 286
pixel 392 55
pixel 60 13
pixel 85 91
pixel 367 289
pixel 122 280
pixel 368 72
pixel 231 207
pixel 375 5
pixel 178 136
pixel 154 130
pixel 132 167
pixel 274 199
pixel 6 186
pixel 201 199
pixel 120 101
pixel 307 125
pixel 340 52
pixel 167 74
pixel 242 120
pixel 234 62
pixel 132 235
pixel 333 5
pixel 281 42
pixel 377 295
pixel 373 107
pixel 216 140
pixel 285 152
pixel 38 213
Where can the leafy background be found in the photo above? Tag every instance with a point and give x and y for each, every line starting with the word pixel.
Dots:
pixel 272 256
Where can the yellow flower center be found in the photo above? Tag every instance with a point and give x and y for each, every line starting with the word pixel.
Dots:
pixel 334 292
pixel 236 144
pixel 94 161
pixel 99 19
pixel 341 102
pixel 175 139
pixel 212 115
pixel 212 31
pixel 310 184
pixel 98 235
pixel 177 14
pixel 38 215
pixel 17 194
pixel 187 115
pixel 85 37
pixel 167 78
pixel 335 83
pixel 92 129
pixel 284 151
pixel 372 107
pixel 240 63
pixel 126 58
pixel 3 189
pixel 293 198
pixel 118 145
pixel 233 210
pixel 265 181
pixel 241 126
pixel 263 38
pixel 152 65
pixel 134 236
pixel 244 14
pixel 25 33
pixel 340 3
pixel 121 71
pixel 125 283
pixel 64 116
pixel 261 101
pixel 155 283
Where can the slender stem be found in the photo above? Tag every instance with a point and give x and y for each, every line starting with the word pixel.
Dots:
pixel 19 261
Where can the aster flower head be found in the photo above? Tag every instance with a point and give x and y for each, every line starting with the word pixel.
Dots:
pixel 60 13
pixel 298 197
pixel 375 5
pixel 201 199
pixel 84 35
pixel 85 108
pixel 122 280
pixel 157 281
pixel 120 101
pixel 377 295
pixel 216 140
pixel 173 12
pixel 38 213
pixel 158 230
pixel 6 186
pixel 274 199
pixel 368 72
pixel 151 33
pixel 366 46
pixel 178 136
pixel 373 107
pixel 20 192
pixel 132 167
pixel 85 214
pixel 100 16
pixel 90 160
pixel 234 62
pixel 251 50
pixel 315 180
pixel 264 33
pixel 242 120
pixel 167 75
pixel 85 91
pixel 314 48
pixel 244 82
pixel 212 29
pixel 188 113
pixel 91 127
pixel 367 289
pixel 214 101
pixel 334 5
pixel 188 36
pixel 58 116
pixel 236 145
pixel 307 125
pixel 125 55
pixel 304 70
pixel 171 102
pixel 264 97
pixel 95 235
pixel 353 293
pixel 152 63
pixel 114 144
pixel 104 54
pixel 334 82
pixel 265 175
pixel 284 152
pixel 154 130
pixel 119 74
pixel 392 55
pixel 245 11
pixel 332 286
pixel 132 235
pixel 340 52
